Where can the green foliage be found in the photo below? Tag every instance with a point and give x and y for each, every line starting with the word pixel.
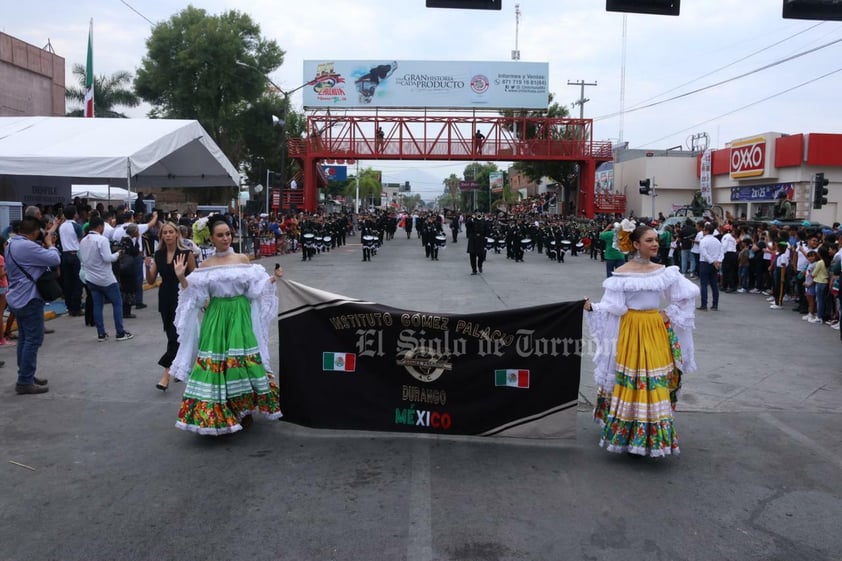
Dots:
pixel 370 186
pixel 451 197
pixel 411 202
pixel 109 92
pixel 560 171
pixel 479 173
pixel 191 71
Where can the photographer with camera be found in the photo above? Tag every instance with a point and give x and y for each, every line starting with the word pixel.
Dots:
pixel 26 261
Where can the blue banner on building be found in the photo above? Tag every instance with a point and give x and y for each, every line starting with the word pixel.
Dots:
pixel 762 192
pixel 335 173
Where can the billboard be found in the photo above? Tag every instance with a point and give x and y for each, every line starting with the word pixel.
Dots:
pixel 495 181
pixel 426 84
pixel 335 173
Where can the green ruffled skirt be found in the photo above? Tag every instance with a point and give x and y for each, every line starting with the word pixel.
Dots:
pixel 228 381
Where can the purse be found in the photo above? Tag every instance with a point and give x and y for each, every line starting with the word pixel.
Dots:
pixel 47 284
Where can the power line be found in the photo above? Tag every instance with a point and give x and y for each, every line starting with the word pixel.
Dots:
pixel 722 82
pixel 739 60
pixel 752 104
pixel 129 6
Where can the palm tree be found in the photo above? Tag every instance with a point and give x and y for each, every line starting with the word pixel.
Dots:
pixel 451 190
pixel 109 92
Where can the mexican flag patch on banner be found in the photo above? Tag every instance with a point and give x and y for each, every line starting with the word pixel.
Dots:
pixel 512 378
pixel 343 362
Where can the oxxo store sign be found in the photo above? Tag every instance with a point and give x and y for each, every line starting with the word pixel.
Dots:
pixel 748 157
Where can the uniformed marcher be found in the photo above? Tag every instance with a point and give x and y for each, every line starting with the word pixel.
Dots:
pixel 476 230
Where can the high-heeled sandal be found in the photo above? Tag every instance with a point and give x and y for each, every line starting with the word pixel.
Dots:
pixel 162 387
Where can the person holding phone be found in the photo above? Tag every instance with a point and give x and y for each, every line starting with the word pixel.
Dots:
pixel 163 263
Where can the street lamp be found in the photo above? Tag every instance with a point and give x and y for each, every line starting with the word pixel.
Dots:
pixel 281 122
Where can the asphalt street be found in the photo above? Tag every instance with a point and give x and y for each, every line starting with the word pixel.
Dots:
pixel 95 470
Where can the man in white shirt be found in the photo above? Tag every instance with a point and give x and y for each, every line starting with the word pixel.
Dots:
pixel 710 259
pixel 70 232
pixel 729 260
pixel 694 251
pixel 95 253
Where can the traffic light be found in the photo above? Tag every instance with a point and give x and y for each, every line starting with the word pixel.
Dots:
pixel 645 186
pixel 813 9
pixel 466 4
pixel 659 7
pixel 819 191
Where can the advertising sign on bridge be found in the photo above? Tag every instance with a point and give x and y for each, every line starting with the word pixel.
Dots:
pixel 426 84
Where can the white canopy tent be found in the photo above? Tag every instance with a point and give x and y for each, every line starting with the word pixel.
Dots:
pixel 131 153
pixel 102 193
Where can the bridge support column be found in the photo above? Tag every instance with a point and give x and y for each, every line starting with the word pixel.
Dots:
pixel 587 177
pixel 311 186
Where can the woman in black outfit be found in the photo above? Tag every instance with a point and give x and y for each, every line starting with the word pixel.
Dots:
pixel 170 246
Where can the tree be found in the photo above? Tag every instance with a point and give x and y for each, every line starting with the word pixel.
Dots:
pixel 109 92
pixel 262 142
pixel 479 173
pixel 560 171
pixel 370 186
pixel 411 202
pixel 209 68
pixel 450 199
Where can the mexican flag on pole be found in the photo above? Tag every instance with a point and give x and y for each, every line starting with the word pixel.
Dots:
pixel 512 378
pixel 343 362
pixel 89 74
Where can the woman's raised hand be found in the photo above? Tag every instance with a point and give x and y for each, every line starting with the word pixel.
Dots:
pixel 179 263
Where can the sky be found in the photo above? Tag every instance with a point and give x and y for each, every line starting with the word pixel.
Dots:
pixel 711 42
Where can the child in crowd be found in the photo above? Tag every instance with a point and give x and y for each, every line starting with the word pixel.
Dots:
pixel 744 265
pixel 810 288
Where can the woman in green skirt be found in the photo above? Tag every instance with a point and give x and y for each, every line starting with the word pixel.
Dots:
pixel 224 357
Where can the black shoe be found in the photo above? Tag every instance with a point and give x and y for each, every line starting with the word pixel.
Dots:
pixel 714 308
pixel 473 272
pixel 30 389
pixel 702 308
pixel 40 381
pixel 47 330
pixel 162 387
pixel 139 306
pixel 129 316
pixel 480 270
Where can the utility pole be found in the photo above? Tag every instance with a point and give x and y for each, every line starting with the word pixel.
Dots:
pixel 516 52
pixel 582 99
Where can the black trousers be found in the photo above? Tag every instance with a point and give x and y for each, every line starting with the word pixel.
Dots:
pixel 477 259
pixel 168 318
pixel 729 271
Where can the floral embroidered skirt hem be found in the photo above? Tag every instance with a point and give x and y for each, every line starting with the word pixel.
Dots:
pixel 637 416
pixel 228 381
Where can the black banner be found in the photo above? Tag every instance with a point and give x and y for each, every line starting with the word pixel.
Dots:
pixel 349 364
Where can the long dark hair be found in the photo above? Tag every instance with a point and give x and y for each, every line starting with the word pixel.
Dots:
pixel 824 254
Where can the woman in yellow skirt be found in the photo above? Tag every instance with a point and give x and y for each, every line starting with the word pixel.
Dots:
pixel 643 333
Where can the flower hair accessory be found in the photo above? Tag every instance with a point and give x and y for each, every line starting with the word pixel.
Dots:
pixel 201 233
pixel 624 231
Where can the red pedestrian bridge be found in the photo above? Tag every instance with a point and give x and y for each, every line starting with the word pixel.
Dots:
pixel 347 138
